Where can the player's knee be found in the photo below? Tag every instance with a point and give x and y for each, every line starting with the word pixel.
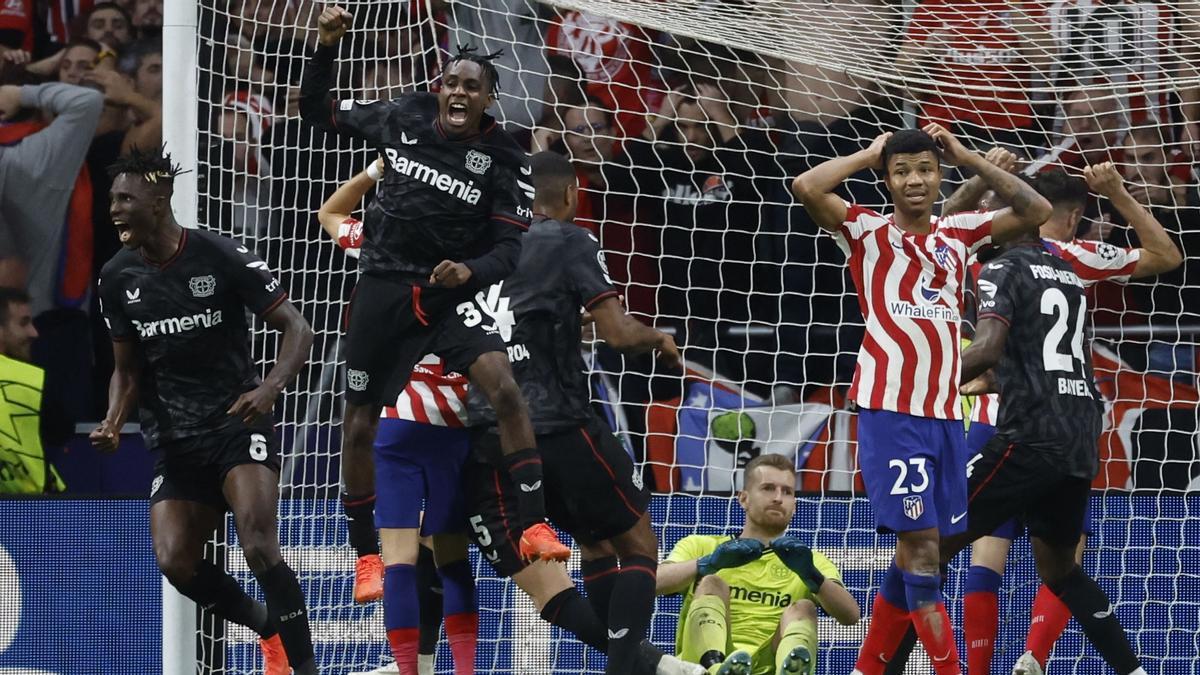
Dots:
pixel 801 610
pixel 260 545
pixel 1054 567
pixel 918 552
pixel 713 585
pixel 174 563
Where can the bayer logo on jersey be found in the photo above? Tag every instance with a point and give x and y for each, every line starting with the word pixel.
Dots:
pixel 914 506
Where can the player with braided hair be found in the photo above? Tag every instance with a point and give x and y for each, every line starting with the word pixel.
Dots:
pixel 175 302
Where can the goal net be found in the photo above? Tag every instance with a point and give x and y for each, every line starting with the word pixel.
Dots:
pixel 686 121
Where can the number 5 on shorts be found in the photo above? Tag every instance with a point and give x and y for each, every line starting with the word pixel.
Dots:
pixel 485 537
pixel 918 463
pixel 258 447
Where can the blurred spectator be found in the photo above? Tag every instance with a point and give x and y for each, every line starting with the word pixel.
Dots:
pixel 241 188
pixel 81 56
pixel 617 60
pixel 45 195
pixel 16 27
pixel 982 56
pixel 515 28
pixel 110 25
pixel 148 17
pixel 564 89
pixel 24 468
pixel 1093 122
pixel 62 17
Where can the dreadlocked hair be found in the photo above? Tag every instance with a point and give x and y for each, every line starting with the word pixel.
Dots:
pixel 469 53
pixel 153 167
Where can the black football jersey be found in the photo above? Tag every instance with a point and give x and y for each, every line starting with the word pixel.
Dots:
pixel 462 199
pixel 189 319
pixel 561 270
pixel 1050 402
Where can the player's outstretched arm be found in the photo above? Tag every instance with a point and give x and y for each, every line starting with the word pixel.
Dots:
pixel 814 188
pixel 1027 209
pixel 293 354
pixel 1158 253
pixel 626 334
pixel 967 196
pixel 122 396
pixel 985 351
pixel 335 214
pixel 316 105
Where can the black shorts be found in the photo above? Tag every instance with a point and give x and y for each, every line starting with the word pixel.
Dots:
pixel 194 469
pixel 394 324
pixel 1011 481
pixel 593 491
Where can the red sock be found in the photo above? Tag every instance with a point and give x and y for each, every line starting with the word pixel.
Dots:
pixel 936 634
pixel 1048 620
pixel 404 643
pixel 461 632
pixel 981 622
pixel 888 625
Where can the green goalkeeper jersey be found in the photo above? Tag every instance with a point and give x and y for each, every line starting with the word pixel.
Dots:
pixel 758 591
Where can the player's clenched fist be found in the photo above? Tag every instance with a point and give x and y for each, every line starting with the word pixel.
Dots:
pixel 1103 179
pixel 105 437
pixel 332 24
pixel 255 403
pixel 450 274
pixel 1001 158
pixel 799 559
pixel 733 553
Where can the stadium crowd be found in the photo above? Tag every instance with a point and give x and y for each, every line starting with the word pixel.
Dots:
pixel 683 150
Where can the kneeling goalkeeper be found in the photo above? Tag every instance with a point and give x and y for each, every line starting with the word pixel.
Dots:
pixel 750 604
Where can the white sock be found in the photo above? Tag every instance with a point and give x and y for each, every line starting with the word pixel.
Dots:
pixel 1139 671
pixel 425 664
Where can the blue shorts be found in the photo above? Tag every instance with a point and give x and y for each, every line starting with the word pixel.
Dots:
pixel 915 469
pixel 977 437
pixel 419 467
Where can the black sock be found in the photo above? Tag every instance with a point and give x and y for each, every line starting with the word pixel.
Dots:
pixel 629 611
pixel 569 611
pixel 429 600
pixel 900 659
pixel 214 590
pixel 525 469
pixel 285 602
pixel 599 575
pixel 1092 609
pixel 360 521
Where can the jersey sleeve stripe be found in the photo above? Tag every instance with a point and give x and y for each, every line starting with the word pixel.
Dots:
pixel 271 308
pixel 510 220
pixel 993 315
pixel 600 298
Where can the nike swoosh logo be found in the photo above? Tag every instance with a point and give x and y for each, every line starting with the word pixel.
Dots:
pixel 531 488
pixel 1104 614
pixel 954 519
pixel 406 140
pixel 618 635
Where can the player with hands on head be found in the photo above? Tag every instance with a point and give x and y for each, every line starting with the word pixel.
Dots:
pixel 911 446
pixel 750 602
pixel 446 221
pixel 175 301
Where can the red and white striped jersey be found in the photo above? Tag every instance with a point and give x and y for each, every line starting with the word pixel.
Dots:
pixel 910 291
pixel 433 396
pixel 1093 262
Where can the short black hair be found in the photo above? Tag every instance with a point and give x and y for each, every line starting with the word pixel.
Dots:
pixel 469 53
pixel 131 59
pixel 11 296
pixel 552 175
pixel 109 5
pixel 1061 189
pixel 909 142
pixel 155 168
pixel 83 41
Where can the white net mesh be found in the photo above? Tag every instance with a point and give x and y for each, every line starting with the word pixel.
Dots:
pixel 686 121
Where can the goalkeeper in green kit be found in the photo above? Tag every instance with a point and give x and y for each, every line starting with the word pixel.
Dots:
pixel 750 603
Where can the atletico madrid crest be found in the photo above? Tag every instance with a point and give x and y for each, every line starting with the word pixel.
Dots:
pixel 914 507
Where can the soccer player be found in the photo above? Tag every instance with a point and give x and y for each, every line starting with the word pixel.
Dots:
pixel 909 271
pixel 750 602
pixel 175 302
pixel 1040 464
pixel 420 448
pixel 1093 262
pixel 593 490
pixel 445 222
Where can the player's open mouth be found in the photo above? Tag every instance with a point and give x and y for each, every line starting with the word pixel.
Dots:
pixel 124 232
pixel 456 113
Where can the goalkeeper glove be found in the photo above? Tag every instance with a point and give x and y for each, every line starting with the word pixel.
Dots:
pixel 799 559
pixel 733 553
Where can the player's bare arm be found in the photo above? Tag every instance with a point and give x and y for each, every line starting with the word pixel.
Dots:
pixel 1027 210
pixel 967 196
pixel 1158 253
pixel 986 350
pixel 342 203
pixel 838 603
pixel 814 188
pixel 122 396
pixel 674 577
pixel 626 334
pixel 293 354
